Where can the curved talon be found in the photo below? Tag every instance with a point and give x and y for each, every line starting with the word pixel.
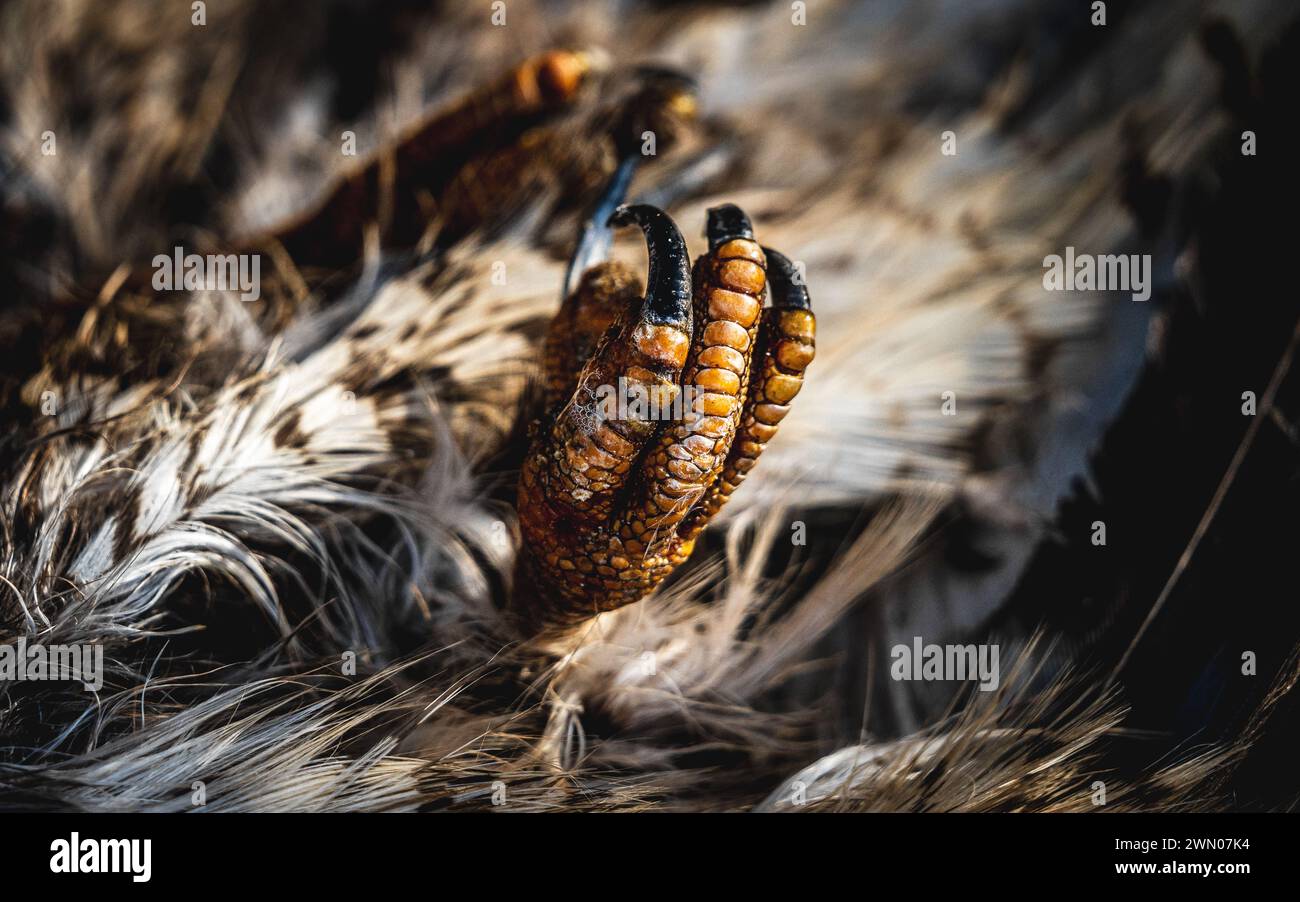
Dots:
pixel 668 285
pixel 789 290
pixel 726 223
pixel 595 237
pixel 786 345
pixel 729 285
pixel 610 504
pixel 575 469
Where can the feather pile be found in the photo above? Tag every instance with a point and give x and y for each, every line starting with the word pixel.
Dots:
pixel 288 523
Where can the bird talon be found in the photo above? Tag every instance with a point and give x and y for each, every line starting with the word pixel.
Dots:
pixel 612 498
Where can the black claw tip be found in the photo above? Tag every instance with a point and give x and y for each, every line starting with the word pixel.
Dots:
pixel 621 216
pixel 789 288
pixel 668 285
pixel 725 223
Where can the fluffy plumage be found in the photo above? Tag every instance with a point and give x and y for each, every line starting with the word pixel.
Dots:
pixel 288 523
